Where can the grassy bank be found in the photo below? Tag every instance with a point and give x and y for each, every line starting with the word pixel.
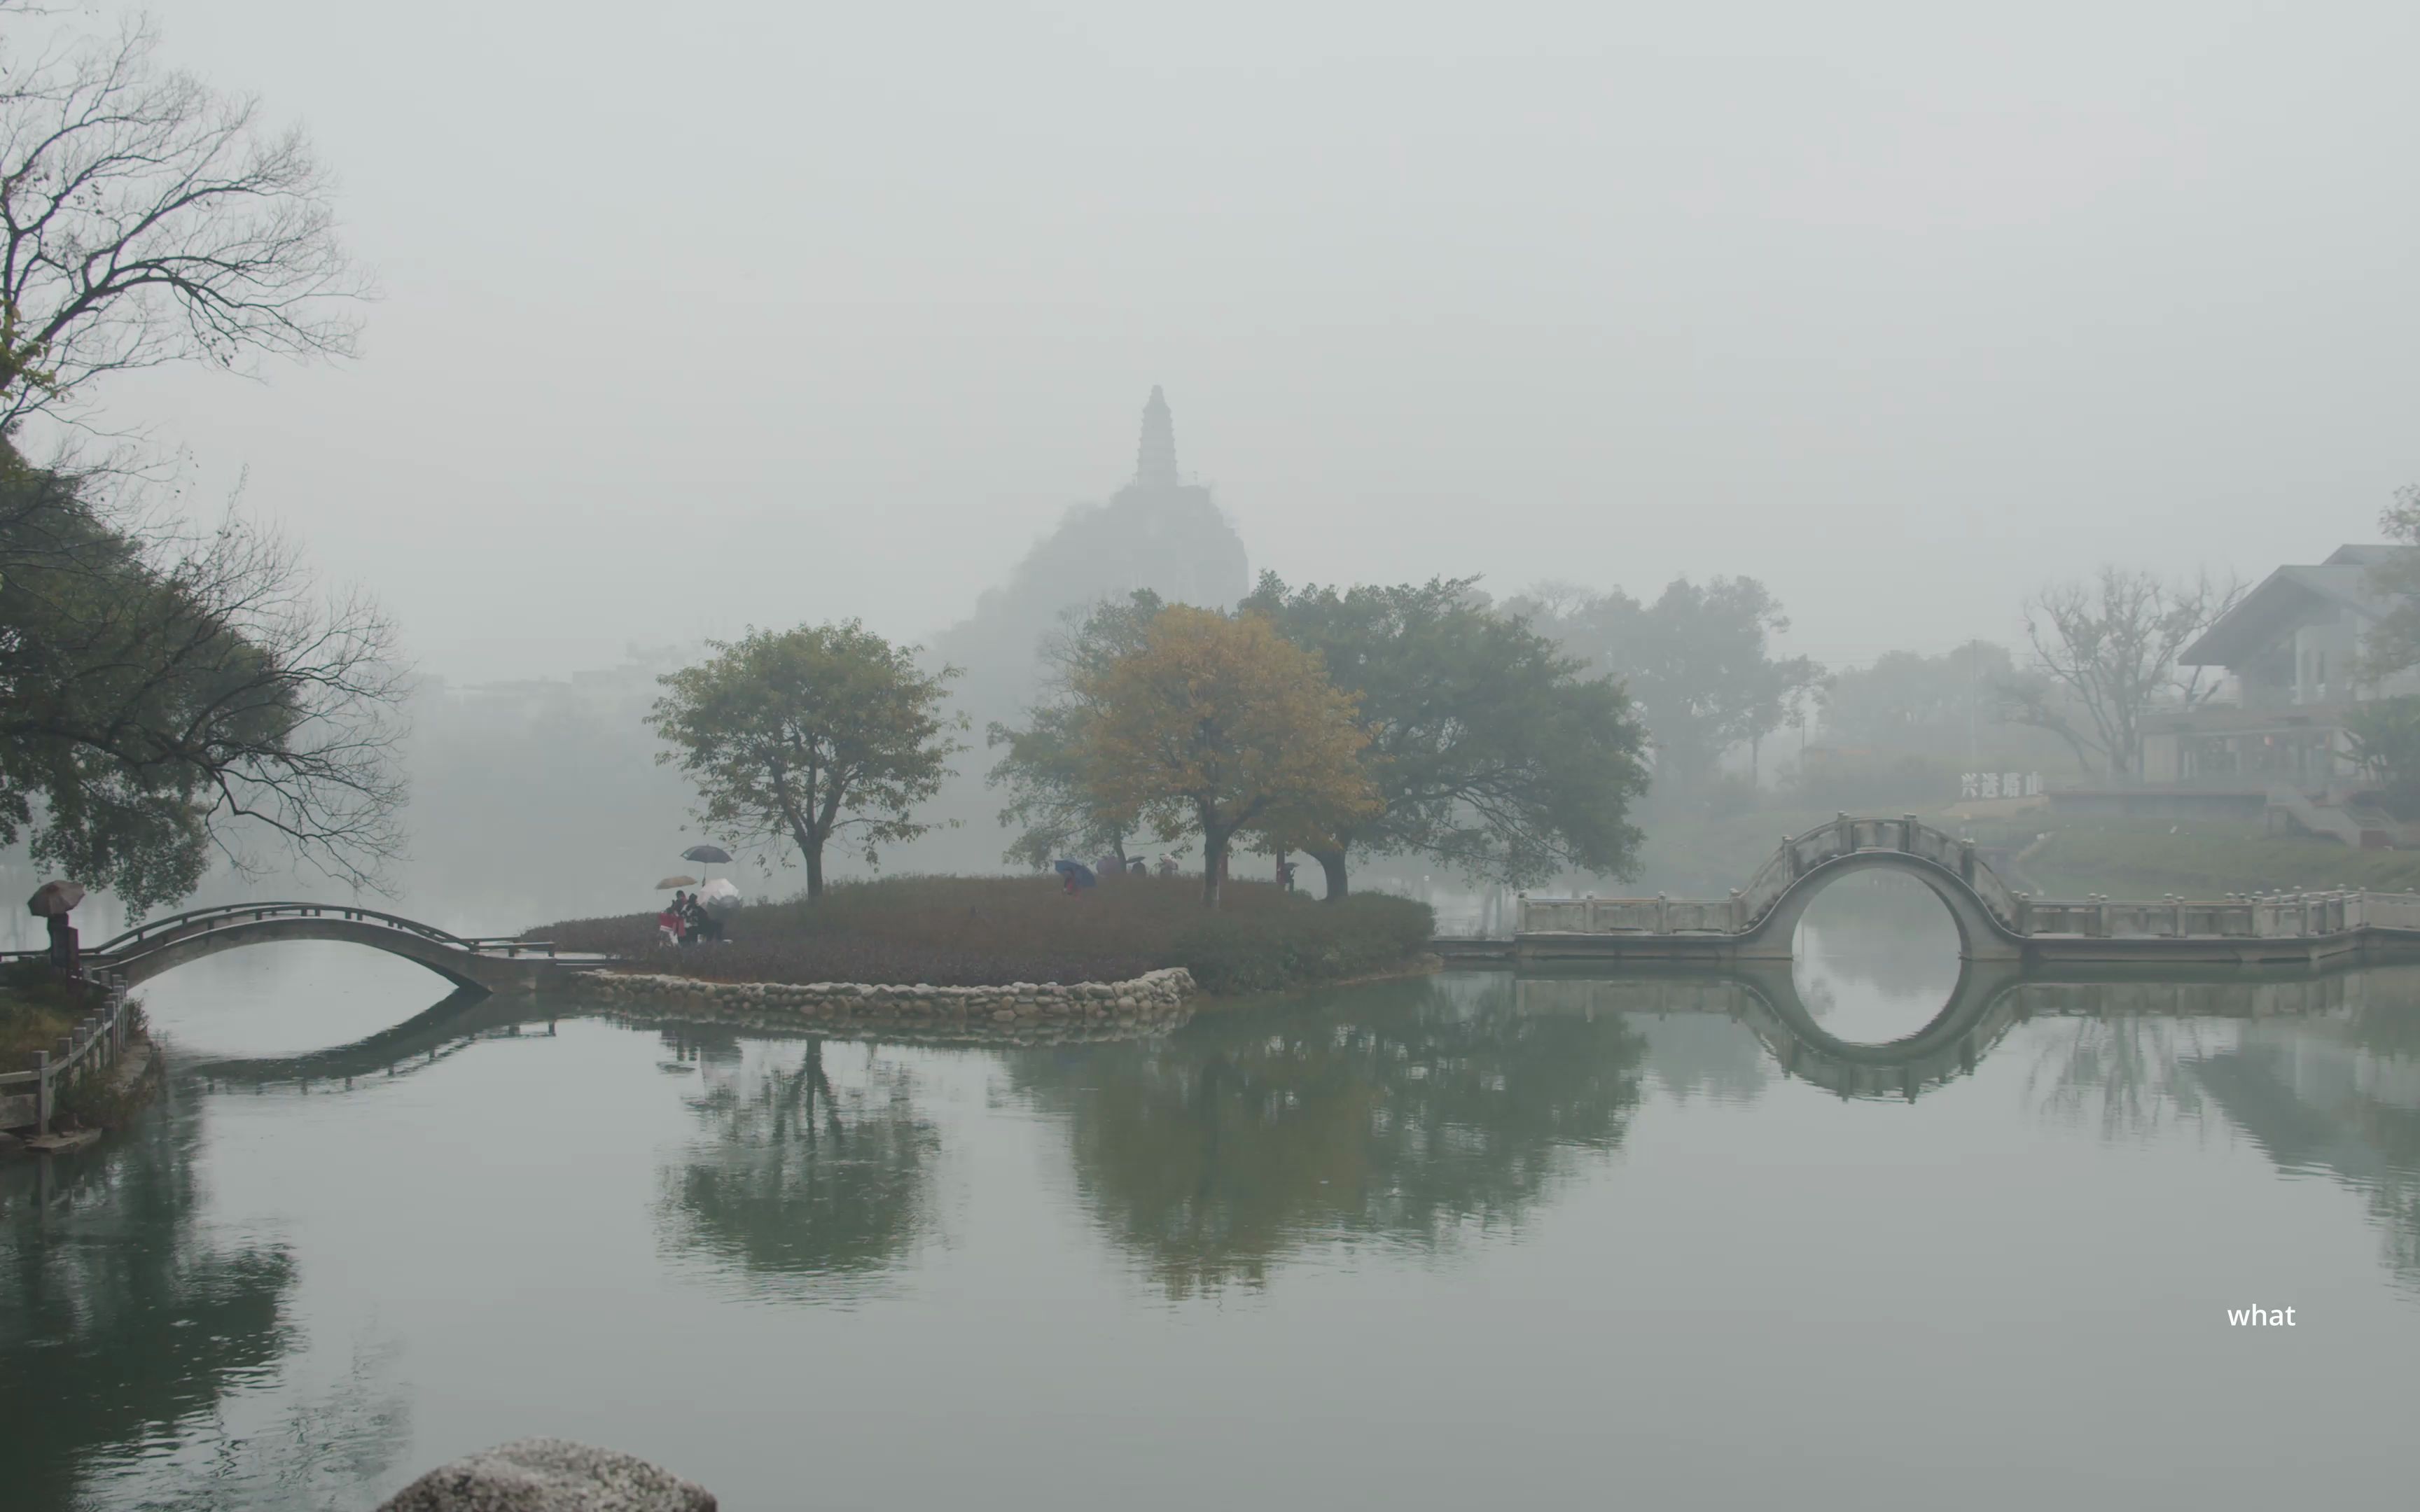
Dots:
pixel 35 1012
pixel 978 932
pixel 2151 858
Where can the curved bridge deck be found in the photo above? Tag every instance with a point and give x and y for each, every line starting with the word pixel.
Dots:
pixel 1759 921
pixel 488 965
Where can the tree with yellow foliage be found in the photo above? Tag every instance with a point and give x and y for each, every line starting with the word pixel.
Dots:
pixel 1215 724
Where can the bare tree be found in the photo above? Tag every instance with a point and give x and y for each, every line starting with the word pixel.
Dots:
pixel 147 218
pixel 2104 656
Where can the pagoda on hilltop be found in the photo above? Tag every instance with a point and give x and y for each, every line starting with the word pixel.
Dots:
pixel 1155 457
pixel 1157 533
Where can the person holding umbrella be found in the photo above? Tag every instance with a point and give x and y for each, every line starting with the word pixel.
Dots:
pixel 50 903
pixel 674 919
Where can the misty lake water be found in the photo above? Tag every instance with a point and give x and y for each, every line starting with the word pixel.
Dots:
pixel 1456 1242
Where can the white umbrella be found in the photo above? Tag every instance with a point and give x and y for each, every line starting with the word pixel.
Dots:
pixel 719 892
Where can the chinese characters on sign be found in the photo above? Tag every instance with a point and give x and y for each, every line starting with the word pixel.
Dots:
pixel 1999 784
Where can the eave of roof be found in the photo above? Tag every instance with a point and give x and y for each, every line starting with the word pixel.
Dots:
pixel 2270 608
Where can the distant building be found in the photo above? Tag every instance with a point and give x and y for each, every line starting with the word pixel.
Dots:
pixel 2288 650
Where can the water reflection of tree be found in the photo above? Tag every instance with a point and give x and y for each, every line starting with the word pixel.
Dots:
pixel 799 1182
pixel 2322 1075
pixel 1691 1055
pixel 121 1324
pixel 2123 1073
pixel 1406 1117
pixel 324 1450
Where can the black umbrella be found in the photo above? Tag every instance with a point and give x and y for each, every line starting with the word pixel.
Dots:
pixel 1082 873
pixel 55 898
pixel 706 855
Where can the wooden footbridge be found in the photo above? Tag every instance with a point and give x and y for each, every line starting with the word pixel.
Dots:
pixel 1759 921
pixel 482 964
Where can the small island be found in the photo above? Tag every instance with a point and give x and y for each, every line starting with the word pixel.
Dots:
pixel 936 951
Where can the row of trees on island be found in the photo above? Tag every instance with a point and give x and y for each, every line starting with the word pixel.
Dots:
pixel 1414 718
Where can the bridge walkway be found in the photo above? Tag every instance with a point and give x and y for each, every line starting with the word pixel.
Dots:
pixel 486 964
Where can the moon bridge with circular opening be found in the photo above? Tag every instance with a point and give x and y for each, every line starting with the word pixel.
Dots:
pixel 1759 921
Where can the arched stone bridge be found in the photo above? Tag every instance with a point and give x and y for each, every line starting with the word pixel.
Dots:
pixel 1759 921
pixel 487 966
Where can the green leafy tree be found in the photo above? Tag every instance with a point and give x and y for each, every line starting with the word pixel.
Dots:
pixel 800 736
pixel 2393 645
pixel 1908 702
pixel 1215 725
pixel 163 700
pixel 1490 750
pixel 1697 661
pixel 2384 735
pixel 1053 804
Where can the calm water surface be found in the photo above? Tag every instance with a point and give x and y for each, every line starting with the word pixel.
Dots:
pixel 1441 1244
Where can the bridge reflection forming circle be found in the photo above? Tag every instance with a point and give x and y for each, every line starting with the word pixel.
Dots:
pixel 1764 997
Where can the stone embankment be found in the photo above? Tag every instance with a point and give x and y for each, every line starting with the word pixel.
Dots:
pixel 1156 999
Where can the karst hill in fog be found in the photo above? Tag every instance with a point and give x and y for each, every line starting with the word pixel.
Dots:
pixel 1158 532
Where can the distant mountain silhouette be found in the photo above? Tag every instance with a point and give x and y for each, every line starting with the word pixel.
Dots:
pixel 1157 533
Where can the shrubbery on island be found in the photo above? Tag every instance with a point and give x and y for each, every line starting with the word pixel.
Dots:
pixel 977 932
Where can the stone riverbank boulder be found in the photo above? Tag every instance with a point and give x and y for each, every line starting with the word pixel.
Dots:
pixel 550 1475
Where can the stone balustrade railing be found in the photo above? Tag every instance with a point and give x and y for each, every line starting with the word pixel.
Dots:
pixel 2266 916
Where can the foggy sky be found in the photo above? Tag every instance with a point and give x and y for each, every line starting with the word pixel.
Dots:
pixel 717 314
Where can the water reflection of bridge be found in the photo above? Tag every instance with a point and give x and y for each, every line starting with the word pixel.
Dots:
pixel 1990 998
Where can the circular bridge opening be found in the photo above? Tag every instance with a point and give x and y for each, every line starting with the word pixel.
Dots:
pixel 1876 957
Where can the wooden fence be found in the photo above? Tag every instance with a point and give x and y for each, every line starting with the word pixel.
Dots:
pixel 98 1040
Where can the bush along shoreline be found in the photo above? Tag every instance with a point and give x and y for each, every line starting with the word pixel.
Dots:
pixel 933 933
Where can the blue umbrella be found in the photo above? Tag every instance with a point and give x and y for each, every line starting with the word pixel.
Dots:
pixel 1082 873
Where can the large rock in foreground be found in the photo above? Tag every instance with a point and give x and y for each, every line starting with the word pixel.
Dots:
pixel 550 1475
